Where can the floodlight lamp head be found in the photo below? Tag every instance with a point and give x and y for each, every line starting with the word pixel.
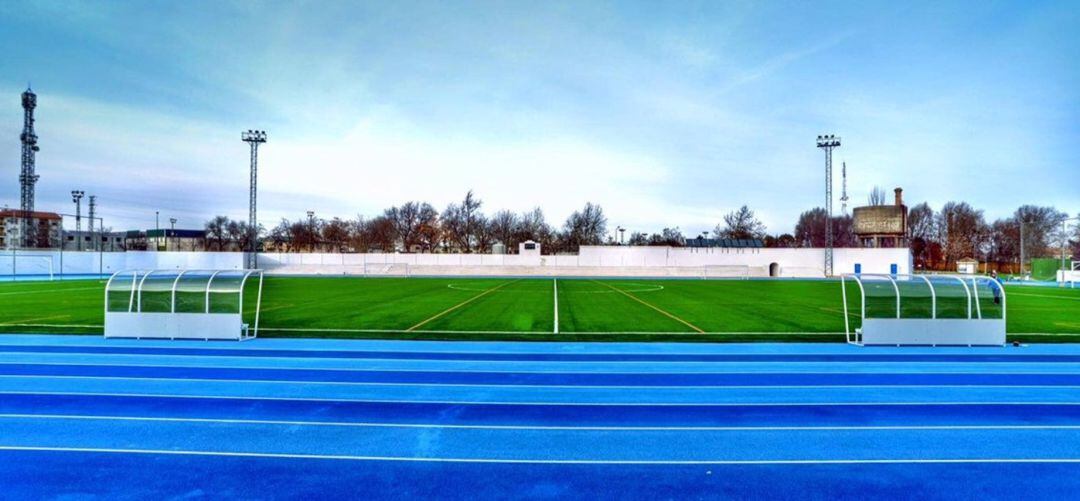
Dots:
pixel 253 136
pixel 828 141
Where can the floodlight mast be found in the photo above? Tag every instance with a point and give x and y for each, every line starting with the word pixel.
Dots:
pixel 76 196
pixel 254 138
pixel 827 142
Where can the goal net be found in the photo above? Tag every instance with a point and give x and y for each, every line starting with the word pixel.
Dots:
pixel 31 266
pixel 386 269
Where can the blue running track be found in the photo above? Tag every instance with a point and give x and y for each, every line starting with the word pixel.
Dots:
pixel 81 417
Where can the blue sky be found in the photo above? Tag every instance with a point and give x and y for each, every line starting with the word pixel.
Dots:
pixel 665 113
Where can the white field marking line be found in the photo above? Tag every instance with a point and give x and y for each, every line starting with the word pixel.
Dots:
pixel 36 318
pixel 1044 295
pixel 561 404
pixel 50 291
pixel 342 457
pixel 555 310
pixel 669 315
pixel 646 288
pixel 459 305
pixel 537 333
pixel 14 324
pixel 515 333
pixel 469 371
pixel 360 424
pixel 557 386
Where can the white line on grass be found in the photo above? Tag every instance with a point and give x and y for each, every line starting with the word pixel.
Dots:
pixel 459 305
pixel 661 311
pixel 562 404
pixel 49 291
pixel 555 288
pixel 360 424
pixel 277 455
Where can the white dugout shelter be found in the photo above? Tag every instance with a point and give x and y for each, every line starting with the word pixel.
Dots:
pixel 182 304
pixel 924 310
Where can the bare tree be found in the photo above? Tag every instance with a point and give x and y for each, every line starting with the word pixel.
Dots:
pixel 740 223
pixel 672 237
pixel 877 196
pixel 961 230
pixel 462 223
pixel 279 236
pixel 1041 226
pixel 533 226
pixel 585 227
pixel 504 229
pixel 409 221
pixel 217 233
pixel 336 234
pixel 922 232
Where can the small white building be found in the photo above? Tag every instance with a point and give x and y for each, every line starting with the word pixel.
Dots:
pixel 967 266
pixel 529 248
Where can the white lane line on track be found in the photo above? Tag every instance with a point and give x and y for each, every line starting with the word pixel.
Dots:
pixel 557 386
pixel 508 371
pixel 565 404
pixel 174 452
pixel 85 417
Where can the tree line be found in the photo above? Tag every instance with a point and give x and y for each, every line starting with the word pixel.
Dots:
pixel 938 239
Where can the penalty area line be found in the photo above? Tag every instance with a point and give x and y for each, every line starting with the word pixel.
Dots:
pixel 459 305
pixel 665 313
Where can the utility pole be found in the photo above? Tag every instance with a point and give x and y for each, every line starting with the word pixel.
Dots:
pixel 172 231
pixel 843 190
pixel 311 228
pixel 827 143
pixel 254 138
pixel 76 196
pixel 94 241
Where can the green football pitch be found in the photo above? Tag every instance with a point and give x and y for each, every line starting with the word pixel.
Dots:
pixel 530 309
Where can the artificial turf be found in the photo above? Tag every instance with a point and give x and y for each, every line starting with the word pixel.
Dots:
pixel 510 308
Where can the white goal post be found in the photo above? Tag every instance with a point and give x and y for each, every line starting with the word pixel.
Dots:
pixel 18 264
pixel 1069 277
pixel 924 309
pixel 181 304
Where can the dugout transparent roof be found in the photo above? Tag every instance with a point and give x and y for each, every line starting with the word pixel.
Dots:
pixel 925 296
pixel 180 291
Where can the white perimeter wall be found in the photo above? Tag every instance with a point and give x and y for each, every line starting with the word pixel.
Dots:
pixel 793 262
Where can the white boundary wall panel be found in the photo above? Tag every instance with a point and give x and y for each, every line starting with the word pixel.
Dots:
pixel 604 261
pixel 1068 276
pixel 592 260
